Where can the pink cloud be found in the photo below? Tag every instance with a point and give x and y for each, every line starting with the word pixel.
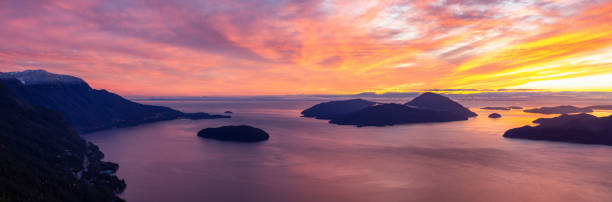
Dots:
pixel 279 47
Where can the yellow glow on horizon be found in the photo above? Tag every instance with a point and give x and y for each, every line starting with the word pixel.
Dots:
pixel 586 83
pixel 540 64
pixel 319 47
pixel 537 50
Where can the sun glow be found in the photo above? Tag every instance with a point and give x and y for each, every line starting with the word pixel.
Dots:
pixel 585 83
pixel 311 47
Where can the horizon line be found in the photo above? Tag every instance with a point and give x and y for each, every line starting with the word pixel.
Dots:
pixel 372 93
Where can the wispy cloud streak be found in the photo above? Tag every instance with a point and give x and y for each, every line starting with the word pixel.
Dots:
pixel 188 47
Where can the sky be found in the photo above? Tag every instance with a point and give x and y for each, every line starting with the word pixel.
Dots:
pixel 274 47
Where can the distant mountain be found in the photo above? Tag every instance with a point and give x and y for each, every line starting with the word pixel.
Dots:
pixel 496 108
pixel 566 109
pixel 438 102
pixel 35 77
pixel 334 109
pixel 393 114
pixel 43 159
pixel 85 108
pixel 428 107
pixel 578 128
pixel 600 107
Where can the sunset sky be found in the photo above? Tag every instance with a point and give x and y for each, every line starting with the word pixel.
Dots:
pixel 268 47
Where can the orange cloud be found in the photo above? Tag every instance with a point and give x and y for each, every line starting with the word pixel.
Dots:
pixel 291 47
pixel 576 48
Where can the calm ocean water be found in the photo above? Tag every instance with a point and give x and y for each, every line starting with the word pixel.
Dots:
pixel 311 160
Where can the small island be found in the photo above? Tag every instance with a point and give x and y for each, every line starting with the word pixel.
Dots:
pixel 565 109
pixel 242 133
pixel 578 128
pixel 495 115
pixel 515 107
pixel 202 115
pixel 228 112
pixel 496 108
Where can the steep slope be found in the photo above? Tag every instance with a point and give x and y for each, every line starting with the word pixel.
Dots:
pixel 43 159
pixel 85 108
pixel 438 102
pixel 334 109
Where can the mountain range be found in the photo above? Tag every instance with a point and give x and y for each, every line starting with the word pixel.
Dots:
pixel 42 158
pixel 85 108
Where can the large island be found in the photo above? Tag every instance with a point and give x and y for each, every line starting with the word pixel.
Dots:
pixel 578 128
pixel 392 114
pixel 426 108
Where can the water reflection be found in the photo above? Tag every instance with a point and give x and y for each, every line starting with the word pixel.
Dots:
pixel 311 160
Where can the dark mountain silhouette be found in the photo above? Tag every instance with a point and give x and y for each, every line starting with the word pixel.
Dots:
pixel 334 109
pixel 438 102
pixel 36 77
pixel 43 159
pixel 578 128
pixel 428 107
pixel 565 109
pixel 392 114
pixel 85 108
pixel 235 134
